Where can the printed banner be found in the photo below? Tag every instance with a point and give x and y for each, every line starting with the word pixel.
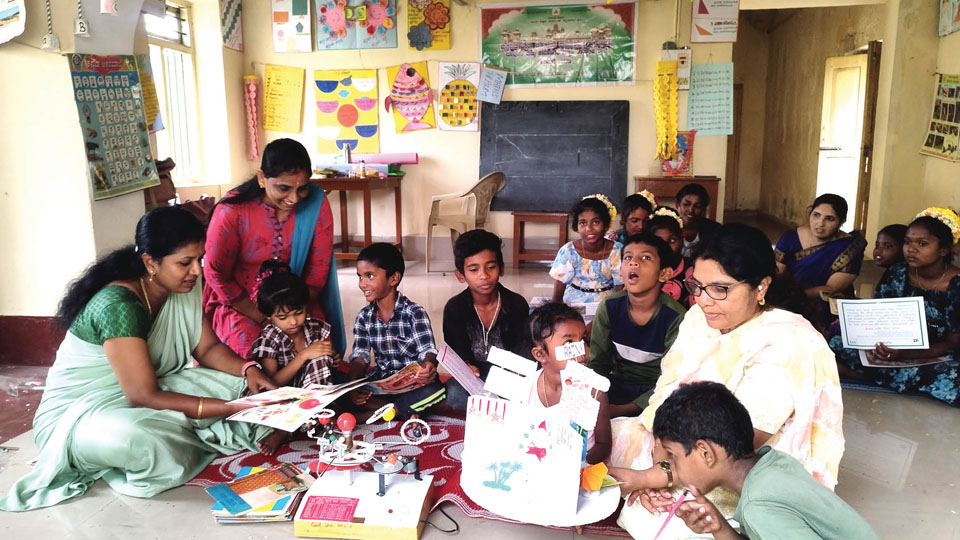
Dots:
pixel 710 111
pixel 110 105
pixel 428 24
pixel 560 45
pixel 943 134
pixel 230 24
pixel 356 24
pixel 411 97
pixel 291 26
pixel 282 98
pixel 347 110
pixel 714 21
pixel 459 109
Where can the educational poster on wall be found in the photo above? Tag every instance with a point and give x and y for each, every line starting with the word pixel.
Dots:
pixel 231 24
pixel 411 97
pixel 573 45
pixel 282 98
pixel 714 21
pixel 949 17
pixel 291 26
pixel 459 110
pixel 710 109
pixel 356 24
pixel 347 113
pixel 110 106
pixel 943 135
pixel 12 19
pixel 428 24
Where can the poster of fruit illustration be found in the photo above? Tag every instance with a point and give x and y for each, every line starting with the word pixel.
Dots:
pixel 458 106
pixel 428 24
pixel 411 97
pixel 347 115
pixel 356 24
pixel 586 44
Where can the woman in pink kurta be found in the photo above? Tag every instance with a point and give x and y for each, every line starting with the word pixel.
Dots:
pixel 253 223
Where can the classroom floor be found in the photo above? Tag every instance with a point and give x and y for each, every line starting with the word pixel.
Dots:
pixel 899 470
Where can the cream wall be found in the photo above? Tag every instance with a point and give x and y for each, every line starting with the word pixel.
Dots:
pixel 794 96
pixel 449 161
pixel 750 70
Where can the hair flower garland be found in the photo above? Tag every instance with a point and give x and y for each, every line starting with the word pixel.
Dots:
pixel 946 216
pixel 670 212
pixel 649 197
pixel 603 198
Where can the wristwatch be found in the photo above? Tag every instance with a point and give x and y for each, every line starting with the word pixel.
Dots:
pixel 665 467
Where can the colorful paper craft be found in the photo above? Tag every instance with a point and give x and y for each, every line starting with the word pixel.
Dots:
pixel 411 97
pixel 665 88
pixel 291 26
pixel 459 109
pixel 356 24
pixel 428 24
pixel 282 98
pixel 231 24
pixel 347 114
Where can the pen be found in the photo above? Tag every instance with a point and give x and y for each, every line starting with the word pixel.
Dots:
pixel 681 500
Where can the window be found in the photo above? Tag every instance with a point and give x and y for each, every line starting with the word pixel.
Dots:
pixel 171 55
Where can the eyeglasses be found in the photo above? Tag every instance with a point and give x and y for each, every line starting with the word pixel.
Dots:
pixel 717 292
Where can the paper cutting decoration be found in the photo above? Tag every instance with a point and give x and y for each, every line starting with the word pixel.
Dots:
pixel 459 109
pixel 714 21
pixel 230 24
pixel 291 26
pixel 251 89
pixel 151 103
pixel 943 136
pixel 356 24
pixel 682 165
pixel 411 97
pixel 563 45
pixel 665 109
pixel 12 19
pixel 347 113
pixel 110 105
pixel 428 24
pixel 282 98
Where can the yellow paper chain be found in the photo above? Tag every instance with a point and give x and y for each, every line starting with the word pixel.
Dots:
pixel 665 87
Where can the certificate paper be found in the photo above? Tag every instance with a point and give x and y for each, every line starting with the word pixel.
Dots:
pixel 899 323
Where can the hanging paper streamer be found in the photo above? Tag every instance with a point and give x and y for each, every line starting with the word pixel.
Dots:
pixel 356 24
pixel 428 24
pixel 347 111
pixel 251 88
pixel 291 26
pixel 282 98
pixel 231 24
pixel 151 103
pixel 459 109
pixel 411 97
pixel 665 88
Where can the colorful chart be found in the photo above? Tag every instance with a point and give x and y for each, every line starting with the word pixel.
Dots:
pixel 411 97
pixel 356 24
pixel 347 113
pixel 291 26
pixel 459 109
pixel 428 24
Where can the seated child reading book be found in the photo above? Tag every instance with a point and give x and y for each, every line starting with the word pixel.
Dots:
pixel 708 438
pixel 552 325
pixel 634 328
pixel 389 333
pixel 486 314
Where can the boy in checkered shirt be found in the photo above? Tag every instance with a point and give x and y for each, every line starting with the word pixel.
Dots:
pixel 391 332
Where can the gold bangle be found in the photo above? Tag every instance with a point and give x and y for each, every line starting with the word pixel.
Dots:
pixel 200 409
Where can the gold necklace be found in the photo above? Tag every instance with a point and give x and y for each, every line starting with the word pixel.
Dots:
pixel 146 297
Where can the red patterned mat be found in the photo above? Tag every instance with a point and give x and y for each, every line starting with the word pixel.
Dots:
pixel 438 456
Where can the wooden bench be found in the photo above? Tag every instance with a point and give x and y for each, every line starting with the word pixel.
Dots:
pixel 520 251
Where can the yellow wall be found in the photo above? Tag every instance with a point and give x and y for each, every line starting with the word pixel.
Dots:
pixel 449 161
pixel 794 96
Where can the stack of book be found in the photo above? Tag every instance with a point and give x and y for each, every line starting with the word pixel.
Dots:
pixel 260 494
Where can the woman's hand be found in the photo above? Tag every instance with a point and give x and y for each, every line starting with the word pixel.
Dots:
pixel 257 381
pixel 886 354
pixel 630 482
pixel 656 500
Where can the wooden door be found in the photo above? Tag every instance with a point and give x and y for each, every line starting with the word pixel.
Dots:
pixel 859 211
pixel 733 154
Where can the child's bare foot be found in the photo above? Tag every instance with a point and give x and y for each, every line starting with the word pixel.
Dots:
pixel 271 443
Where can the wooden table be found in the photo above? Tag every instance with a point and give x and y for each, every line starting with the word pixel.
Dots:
pixel 366 186
pixel 668 186
pixel 520 252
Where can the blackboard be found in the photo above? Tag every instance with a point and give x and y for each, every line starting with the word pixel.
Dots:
pixel 555 152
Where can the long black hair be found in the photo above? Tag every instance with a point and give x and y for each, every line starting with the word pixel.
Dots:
pixel 160 232
pixel 279 157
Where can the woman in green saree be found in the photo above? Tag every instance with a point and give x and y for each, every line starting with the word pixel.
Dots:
pixel 123 401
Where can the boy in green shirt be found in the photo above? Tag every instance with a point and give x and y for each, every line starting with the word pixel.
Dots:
pixel 708 437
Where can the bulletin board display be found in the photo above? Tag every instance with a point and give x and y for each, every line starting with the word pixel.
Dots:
pixel 110 106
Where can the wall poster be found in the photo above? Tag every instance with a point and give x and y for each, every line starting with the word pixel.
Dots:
pixel 356 24
pixel 428 24
pixel 943 134
pixel 347 112
pixel 110 106
pixel 585 44
pixel 949 17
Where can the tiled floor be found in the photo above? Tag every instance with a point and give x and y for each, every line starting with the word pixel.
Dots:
pixel 900 469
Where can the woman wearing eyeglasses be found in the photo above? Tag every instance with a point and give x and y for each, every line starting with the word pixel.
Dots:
pixel 773 360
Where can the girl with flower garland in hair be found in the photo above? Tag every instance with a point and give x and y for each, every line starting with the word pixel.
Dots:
pixel 637 209
pixel 667 225
pixel 588 269
pixel 926 272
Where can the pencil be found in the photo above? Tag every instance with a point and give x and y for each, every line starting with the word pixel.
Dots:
pixel 676 505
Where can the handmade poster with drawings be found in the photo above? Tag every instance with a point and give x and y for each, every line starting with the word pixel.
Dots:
pixel 231 24
pixel 110 105
pixel 291 26
pixel 428 24
pixel 347 113
pixel 356 24
pixel 942 139
pixel 577 396
pixel 459 109
pixel 411 97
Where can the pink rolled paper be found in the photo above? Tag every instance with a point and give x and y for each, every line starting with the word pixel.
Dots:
pixel 386 158
pixel 251 87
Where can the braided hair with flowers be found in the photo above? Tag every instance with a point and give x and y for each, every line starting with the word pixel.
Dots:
pixel 946 216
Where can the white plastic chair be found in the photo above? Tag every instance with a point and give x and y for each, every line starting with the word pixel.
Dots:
pixel 470 209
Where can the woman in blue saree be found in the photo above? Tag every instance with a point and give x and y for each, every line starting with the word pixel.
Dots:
pixel 123 400
pixel 819 256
